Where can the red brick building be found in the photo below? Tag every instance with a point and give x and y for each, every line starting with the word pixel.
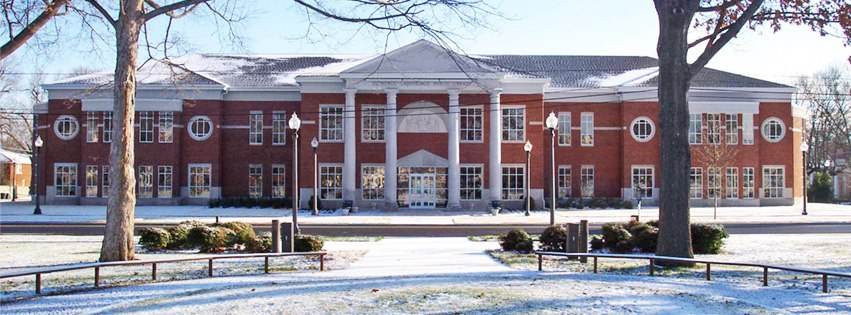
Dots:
pixel 415 128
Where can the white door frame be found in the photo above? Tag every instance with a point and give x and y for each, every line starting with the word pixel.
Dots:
pixel 424 195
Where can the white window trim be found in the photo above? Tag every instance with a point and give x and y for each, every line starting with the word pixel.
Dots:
pixel 524 173
pixel 581 116
pixel 632 173
pixel 702 175
pixel 782 129
pixel 502 117
pixel 754 189
pixel 92 116
pixel 763 183
pixel 192 121
pixel 284 114
pixel 320 166
pixel 481 166
pixel 735 131
pixel 160 184
pixel 362 167
pixel 160 128
pixel 105 173
pixel 272 180
pixel 104 131
pixel 189 179
pixel 96 183
pixel 77 181
pixel 319 123
pixel 260 166
pixel 364 108
pixel 482 138
pixel 593 187
pixel 569 129
pixel 652 129
pixel 570 184
pixel 726 181
pixel 139 125
pixel 56 127
pixel 250 115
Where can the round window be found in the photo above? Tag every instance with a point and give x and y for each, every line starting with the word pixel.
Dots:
pixel 773 129
pixel 66 127
pixel 642 129
pixel 200 128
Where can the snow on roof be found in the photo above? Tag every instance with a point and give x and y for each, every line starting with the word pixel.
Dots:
pixel 634 77
pixel 7 156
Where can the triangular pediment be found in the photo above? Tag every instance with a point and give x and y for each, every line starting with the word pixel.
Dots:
pixel 420 57
pixel 422 158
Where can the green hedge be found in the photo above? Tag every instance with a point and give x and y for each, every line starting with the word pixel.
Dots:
pixel 554 239
pixel 510 240
pixel 643 237
pixel 595 203
pixel 208 238
pixel 308 243
pixel 154 238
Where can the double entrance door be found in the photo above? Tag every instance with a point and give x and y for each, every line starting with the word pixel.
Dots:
pixel 422 191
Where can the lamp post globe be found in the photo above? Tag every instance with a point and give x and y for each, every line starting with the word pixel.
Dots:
pixel 314 143
pixel 552 124
pixel 38 143
pixel 528 148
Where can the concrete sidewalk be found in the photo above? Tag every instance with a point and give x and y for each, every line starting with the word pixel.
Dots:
pixel 22 213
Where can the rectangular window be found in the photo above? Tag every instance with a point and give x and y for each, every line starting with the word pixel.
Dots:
pixel 471 124
pixel 279 181
pixel 748 183
pixel 91 181
pixel 255 128
pixel 747 129
pixel 696 183
pixel 586 126
pixel 107 127
pixel 145 181
pixel 331 123
pixel 91 128
pixel 564 126
pixel 331 182
pixel 732 181
pixel 104 181
pixel 372 182
pixel 565 181
pixel 731 128
pixel 166 127
pixel 695 129
pixel 146 127
pixel 713 182
pixel 586 181
pixel 513 182
pixel 65 179
pixel 713 128
pixel 514 124
pixel 279 128
pixel 642 181
pixel 255 180
pixel 165 181
pixel 372 124
pixel 773 182
pixel 200 179
pixel 471 182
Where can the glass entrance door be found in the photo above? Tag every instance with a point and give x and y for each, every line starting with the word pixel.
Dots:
pixel 422 191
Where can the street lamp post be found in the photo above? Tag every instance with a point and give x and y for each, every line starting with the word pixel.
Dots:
pixel 804 149
pixel 528 148
pixel 552 124
pixel 315 145
pixel 295 124
pixel 38 143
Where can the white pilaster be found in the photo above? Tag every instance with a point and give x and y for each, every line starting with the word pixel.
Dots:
pixel 495 146
pixel 390 149
pixel 454 172
pixel 349 148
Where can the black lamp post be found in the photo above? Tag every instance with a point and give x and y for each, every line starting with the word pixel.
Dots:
pixel 552 124
pixel 38 143
pixel 315 145
pixel 528 148
pixel 295 124
pixel 804 149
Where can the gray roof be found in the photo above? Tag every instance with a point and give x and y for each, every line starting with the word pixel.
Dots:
pixel 280 71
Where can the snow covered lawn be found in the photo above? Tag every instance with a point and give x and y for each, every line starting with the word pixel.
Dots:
pixel 48 250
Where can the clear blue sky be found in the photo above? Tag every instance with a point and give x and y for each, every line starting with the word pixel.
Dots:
pixel 611 27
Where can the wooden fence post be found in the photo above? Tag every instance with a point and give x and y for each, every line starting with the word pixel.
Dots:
pixel 652 263
pixel 97 277
pixel 708 272
pixel 266 264
pixel 595 264
pixel 824 283
pixel 322 262
pixel 765 276
pixel 154 271
pixel 540 262
pixel 38 283
pixel 210 268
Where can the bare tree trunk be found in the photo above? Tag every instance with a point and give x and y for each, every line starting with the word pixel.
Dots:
pixel 118 237
pixel 674 77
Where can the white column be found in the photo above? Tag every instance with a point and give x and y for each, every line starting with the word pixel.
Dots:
pixel 495 146
pixel 454 181
pixel 390 149
pixel 349 148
